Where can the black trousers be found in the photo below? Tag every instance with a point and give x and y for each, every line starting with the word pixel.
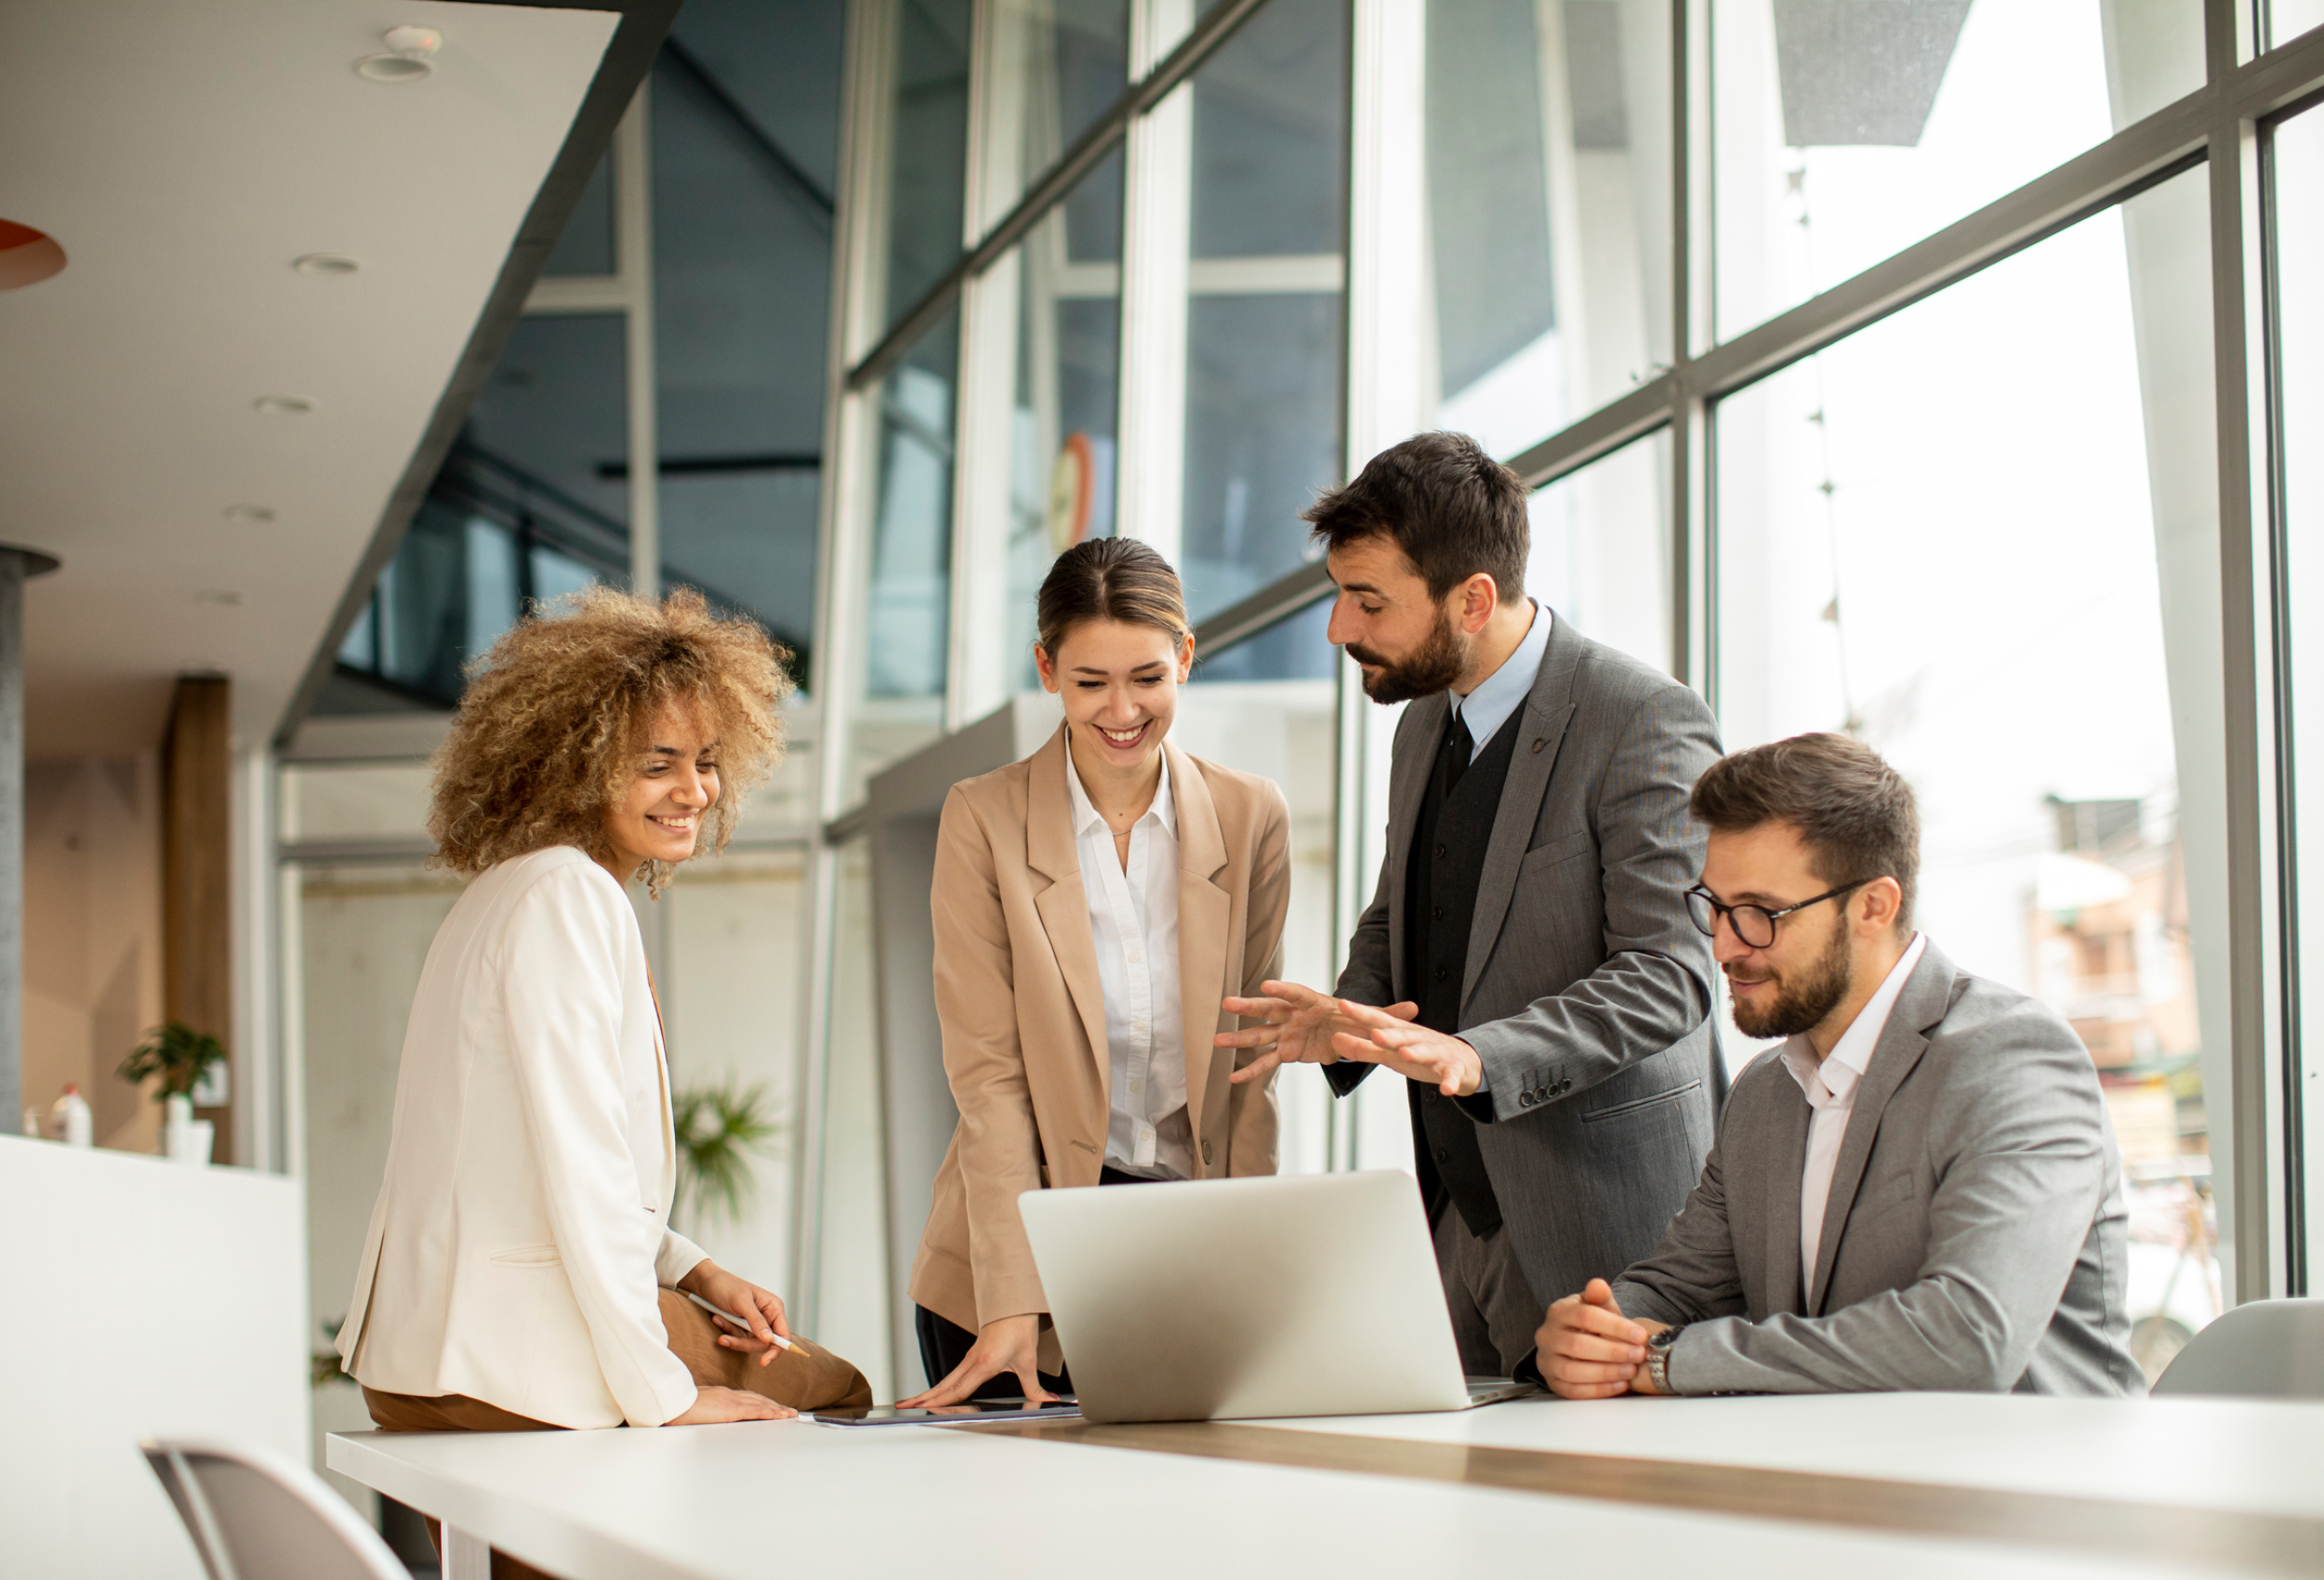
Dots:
pixel 943 1344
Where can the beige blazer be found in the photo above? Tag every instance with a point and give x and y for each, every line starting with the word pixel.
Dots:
pixel 522 1234
pixel 1024 1016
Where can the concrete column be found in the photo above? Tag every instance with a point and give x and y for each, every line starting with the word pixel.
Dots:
pixel 16 565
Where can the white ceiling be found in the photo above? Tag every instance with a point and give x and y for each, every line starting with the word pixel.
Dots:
pixel 184 155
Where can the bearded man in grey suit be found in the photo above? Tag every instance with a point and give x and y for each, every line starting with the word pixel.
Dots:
pixel 1919 1190
pixel 1527 965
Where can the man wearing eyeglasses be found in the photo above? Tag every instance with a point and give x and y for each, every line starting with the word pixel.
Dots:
pixel 1917 1190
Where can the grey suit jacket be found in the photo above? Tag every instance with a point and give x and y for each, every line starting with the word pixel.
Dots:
pixel 1975 1236
pixel 1587 993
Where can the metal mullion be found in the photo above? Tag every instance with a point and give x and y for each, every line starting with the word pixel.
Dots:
pixel 633 256
pixel 847 455
pixel 1691 262
pixel 2298 1209
pixel 983 408
pixel 1600 434
pixel 2255 960
pixel 1087 152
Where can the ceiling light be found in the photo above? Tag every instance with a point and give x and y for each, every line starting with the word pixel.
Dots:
pixel 411 56
pixel 285 406
pixel 326 265
pixel 27 256
pixel 255 514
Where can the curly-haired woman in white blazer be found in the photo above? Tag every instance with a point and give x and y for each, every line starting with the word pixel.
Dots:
pixel 520 1271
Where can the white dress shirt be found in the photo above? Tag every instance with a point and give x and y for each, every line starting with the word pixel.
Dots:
pixel 1133 917
pixel 1487 707
pixel 1832 1092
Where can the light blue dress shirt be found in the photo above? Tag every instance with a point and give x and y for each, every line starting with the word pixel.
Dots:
pixel 1502 692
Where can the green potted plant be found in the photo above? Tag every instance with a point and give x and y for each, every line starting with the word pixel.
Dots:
pixel 180 1057
pixel 721 1130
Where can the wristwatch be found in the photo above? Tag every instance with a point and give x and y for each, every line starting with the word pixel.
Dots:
pixel 1659 1358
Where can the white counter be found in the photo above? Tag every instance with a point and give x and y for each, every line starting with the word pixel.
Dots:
pixel 137 1297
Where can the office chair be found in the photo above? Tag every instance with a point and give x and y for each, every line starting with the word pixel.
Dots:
pixel 254 1515
pixel 2263 1350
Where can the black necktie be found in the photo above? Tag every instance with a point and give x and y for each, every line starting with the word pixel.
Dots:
pixel 1459 747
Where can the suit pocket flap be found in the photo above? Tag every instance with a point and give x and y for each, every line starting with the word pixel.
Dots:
pixel 1565 847
pixel 1652 1099
pixel 529 1257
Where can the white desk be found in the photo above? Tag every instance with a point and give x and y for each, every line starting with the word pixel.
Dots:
pixel 2225 1453
pixel 711 1503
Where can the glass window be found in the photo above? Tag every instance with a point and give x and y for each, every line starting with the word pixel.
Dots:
pixel 585 246
pixel 1057 66
pixel 2287 20
pixel 906 615
pixel 1844 132
pixel 1602 549
pixel 850 1306
pixel 927 146
pixel 1284 730
pixel 1068 381
pixel 1263 331
pixel 1547 205
pixel 734 979
pixel 532 502
pixel 2298 215
pixel 742 274
pixel 2007 595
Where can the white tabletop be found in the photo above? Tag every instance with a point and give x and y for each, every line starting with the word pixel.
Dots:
pixel 723 1502
pixel 2230 1454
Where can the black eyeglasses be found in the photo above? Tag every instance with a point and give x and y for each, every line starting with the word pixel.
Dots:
pixel 1755 924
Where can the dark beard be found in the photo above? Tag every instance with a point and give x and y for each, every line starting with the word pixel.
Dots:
pixel 1801 1006
pixel 1426 670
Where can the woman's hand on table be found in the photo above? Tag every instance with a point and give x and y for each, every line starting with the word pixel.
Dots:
pixel 763 1306
pixel 1005 1343
pixel 713 1405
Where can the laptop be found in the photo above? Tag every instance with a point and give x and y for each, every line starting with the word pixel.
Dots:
pixel 1233 1300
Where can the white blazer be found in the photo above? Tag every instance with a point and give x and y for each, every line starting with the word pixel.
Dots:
pixel 521 1232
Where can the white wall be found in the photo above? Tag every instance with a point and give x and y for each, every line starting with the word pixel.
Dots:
pixel 143 1299
pixel 93 953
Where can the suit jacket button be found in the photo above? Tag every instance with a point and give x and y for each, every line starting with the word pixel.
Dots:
pixel 1206 1152
pixel 1524 1100
pixel 1442 1155
pixel 1536 745
pixel 1440 852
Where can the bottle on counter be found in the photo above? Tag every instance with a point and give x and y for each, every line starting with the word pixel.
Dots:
pixel 69 1121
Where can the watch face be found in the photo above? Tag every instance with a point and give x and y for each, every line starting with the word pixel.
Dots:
pixel 1662 1340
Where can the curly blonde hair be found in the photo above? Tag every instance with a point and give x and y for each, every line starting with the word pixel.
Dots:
pixel 557 713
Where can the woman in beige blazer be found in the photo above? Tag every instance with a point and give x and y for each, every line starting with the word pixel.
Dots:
pixel 1093 904
pixel 519 1269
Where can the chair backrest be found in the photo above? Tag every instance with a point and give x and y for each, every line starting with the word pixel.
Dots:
pixel 2263 1350
pixel 254 1515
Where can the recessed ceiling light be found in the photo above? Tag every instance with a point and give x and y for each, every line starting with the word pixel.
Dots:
pixel 326 264
pixel 257 515
pixel 285 406
pixel 411 52
pixel 217 596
